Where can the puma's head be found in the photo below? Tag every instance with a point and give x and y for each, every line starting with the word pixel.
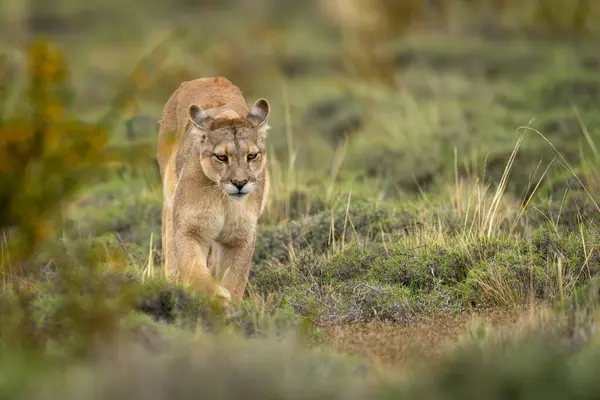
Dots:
pixel 231 147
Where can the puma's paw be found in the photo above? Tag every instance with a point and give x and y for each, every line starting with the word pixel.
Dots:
pixel 225 297
pixel 223 293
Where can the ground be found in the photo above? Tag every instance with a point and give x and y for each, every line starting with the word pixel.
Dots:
pixel 433 204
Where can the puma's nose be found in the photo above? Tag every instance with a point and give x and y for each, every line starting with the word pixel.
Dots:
pixel 239 184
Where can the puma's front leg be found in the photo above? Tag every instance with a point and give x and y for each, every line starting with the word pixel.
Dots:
pixel 163 235
pixel 189 260
pixel 234 267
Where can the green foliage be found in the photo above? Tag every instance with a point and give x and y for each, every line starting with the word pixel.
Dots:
pixel 541 364
pixel 260 369
pixel 533 368
pixel 47 155
pixel 383 282
pixel 331 229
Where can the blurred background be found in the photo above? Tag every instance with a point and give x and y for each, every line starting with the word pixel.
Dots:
pixel 405 81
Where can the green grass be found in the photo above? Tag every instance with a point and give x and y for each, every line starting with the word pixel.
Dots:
pixel 436 175
pixel 399 283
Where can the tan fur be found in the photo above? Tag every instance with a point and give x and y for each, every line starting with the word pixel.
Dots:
pixel 209 234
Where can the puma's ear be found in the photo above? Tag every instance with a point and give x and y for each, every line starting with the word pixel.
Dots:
pixel 259 113
pixel 198 116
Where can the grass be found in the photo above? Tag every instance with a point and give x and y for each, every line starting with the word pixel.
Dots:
pixel 401 282
pixel 417 183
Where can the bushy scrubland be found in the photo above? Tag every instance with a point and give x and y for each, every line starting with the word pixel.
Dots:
pixel 414 176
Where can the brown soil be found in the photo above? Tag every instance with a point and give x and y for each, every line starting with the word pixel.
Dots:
pixel 397 345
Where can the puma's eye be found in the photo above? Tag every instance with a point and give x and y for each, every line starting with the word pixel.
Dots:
pixel 252 156
pixel 221 157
